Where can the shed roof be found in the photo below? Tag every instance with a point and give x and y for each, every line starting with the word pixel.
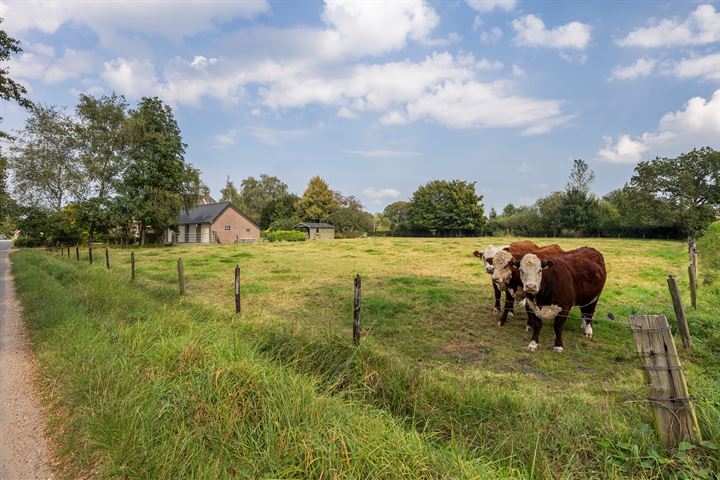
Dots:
pixel 314 225
pixel 202 213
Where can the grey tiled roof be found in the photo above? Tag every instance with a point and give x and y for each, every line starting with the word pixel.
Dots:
pixel 314 225
pixel 202 213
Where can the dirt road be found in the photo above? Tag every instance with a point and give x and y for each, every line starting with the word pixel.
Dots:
pixel 24 450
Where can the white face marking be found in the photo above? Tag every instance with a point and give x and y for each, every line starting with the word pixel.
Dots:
pixel 487 255
pixel 533 345
pixel 531 273
pixel 502 271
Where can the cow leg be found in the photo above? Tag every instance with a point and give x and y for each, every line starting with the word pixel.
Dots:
pixel 559 326
pixel 507 309
pixel 536 324
pixel 497 299
pixel 587 313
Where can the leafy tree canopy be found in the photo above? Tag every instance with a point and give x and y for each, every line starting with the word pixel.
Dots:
pixel 317 203
pixel 446 207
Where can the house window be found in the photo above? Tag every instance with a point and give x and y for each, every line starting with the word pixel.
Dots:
pixel 227 228
pixel 317 230
pixel 247 230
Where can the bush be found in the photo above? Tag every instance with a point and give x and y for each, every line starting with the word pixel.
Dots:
pixel 709 247
pixel 22 242
pixel 283 224
pixel 286 235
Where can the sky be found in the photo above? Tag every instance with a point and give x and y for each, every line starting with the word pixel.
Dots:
pixel 381 97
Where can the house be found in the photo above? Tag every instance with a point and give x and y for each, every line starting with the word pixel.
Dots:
pixel 317 231
pixel 214 223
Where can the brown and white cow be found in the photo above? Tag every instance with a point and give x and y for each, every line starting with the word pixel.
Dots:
pixel 487 255
pixel 506 274
pixel 554 286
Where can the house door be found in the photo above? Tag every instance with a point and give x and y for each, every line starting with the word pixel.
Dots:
pixel 198 233
pixel 187 233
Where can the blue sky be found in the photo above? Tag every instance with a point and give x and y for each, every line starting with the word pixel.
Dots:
pixel 381 97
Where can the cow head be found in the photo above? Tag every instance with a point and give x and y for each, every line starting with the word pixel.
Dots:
pixel 502 267
pixel 531 272
pixel 487 256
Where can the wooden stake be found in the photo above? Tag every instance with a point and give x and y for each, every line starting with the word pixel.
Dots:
pixel 90 254
pixel 356 310
pixel 77 252
pixel 674 410
pixel 237 288
pixel 693 286
pixel 181 276
pixel 132 265
pixel 107 258
pixel 679 313
pixel 695 264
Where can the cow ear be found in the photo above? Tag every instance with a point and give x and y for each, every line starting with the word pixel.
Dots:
pixel 546 264
pixel 477 254
pixel 506 248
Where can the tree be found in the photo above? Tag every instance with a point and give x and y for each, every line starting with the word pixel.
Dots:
pixel 45 164
pixel 10 90
pixel 317 202
pixel 442 206
pixel 396 213
pixel 255 194
pixel 578 210
pixel 282 207
pixel 349 218
pixel 157 181
pixel 550 210
pixel 691 182
pixel 103 147
pixel 230 193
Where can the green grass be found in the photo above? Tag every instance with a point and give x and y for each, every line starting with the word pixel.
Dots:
pixel 145 384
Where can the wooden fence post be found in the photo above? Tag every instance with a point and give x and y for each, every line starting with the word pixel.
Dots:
pixel 674 411
pixel 356 311
pixel 693 286
pixel 237 288
pixel 68 250
pixel 679 313
pixel 181 276
pixel 695 264
pixel 107 258
pixel 132 265
pixel 77 252
pixel 90 254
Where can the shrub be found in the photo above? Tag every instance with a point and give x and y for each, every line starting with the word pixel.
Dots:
pixel 22 242
pixel 709 247
pixel 286 235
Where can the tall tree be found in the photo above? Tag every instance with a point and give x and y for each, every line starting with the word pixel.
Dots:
pixel 45 162
pixel 281 208
pixel 447 207
pixel 579 207
pixel 255 194
pixel 691 182
pixel 158 181
pixel 349 218
pixel 230 193
pixel 317 202
pixel 396 213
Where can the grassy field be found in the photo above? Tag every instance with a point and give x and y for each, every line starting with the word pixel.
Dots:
pixel 144 383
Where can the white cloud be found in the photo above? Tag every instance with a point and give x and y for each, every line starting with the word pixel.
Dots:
pixel 707 67
pixel 38 62
pixel 271 136
pixel 700 28
pixel 378 194
pixel 225 139
pixel 489 5
pixel 531 31
pixel 491 36
pixel 345 112
pixel 381 153
pixel 110 19
pixel 484 105
pixel 642 67
pixel 698 124
pixel 518 71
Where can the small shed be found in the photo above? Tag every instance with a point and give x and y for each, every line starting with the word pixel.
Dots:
pixel 317 231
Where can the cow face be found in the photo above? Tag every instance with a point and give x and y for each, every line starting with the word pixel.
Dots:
pixel 531 270
pixel 502 271
pixel 487 256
